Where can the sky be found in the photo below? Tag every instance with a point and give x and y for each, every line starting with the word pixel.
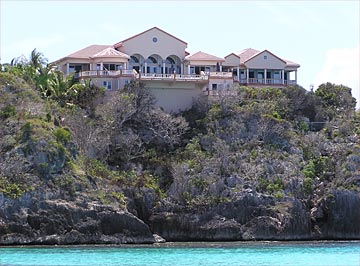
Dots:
pixel 322 36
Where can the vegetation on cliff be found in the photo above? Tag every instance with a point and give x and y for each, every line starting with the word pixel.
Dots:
pixel 74 141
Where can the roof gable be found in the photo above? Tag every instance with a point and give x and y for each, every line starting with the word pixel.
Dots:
pixel 246 54
pixel 110 52
pixel 116 45
pixel 265 59
pixel 201 56
pixel 260 53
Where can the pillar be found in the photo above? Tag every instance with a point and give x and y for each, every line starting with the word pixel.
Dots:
pixel 181 69
pixel 220 68
pixel 188 69
pixel 67 69
pixel 282 76
pixel 145 67
pixel 164 68
pixel 265 74
pixel 238 73
pixel 247 75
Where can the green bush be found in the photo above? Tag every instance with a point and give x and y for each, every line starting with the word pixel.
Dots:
pixel 309 170
pixel 8 111
pixel 11 190
pixel 308 185
pixel 62 135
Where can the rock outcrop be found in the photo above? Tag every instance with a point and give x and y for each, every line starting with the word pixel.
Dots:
pixel 34 219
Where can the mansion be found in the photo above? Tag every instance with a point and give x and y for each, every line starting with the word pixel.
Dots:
pixel 174 76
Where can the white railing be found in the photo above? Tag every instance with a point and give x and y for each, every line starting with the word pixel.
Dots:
pixel 266 81
pixel 221 74
pixel 109 73
pixel 154 76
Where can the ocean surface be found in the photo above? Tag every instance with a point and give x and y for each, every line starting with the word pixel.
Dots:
pixel 189 254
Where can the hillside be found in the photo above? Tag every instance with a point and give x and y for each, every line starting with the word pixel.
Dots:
pixel 78 165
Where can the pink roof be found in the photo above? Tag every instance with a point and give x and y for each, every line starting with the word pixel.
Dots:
pixel 110 52
pixel 201 56
pixel 116 45
pixel 249 53
pixel 246 54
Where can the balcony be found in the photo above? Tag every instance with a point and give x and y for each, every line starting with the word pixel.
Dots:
pixel 173 77
pixel 266 82
pixel 107 73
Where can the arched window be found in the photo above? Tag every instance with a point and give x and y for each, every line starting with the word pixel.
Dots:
pixel 134 59
pixel 151 60
pixel 169 60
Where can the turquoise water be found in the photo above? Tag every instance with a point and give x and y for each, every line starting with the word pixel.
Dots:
pixel 189 254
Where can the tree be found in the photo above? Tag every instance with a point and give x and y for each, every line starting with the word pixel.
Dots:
pixel 336 100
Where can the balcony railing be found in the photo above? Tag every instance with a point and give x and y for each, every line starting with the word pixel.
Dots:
pixel 220 75
pixel 266 81
pixel 106 73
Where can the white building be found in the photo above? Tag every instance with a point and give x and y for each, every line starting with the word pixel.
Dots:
pixel 175 77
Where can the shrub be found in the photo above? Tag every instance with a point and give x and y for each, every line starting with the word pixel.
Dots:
pixel 308 185
pixel 309 170
pixel 8 111
pixel 11 190
pixel 62 135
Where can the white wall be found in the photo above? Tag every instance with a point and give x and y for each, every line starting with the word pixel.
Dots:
pixel 165 46
pixel 271 62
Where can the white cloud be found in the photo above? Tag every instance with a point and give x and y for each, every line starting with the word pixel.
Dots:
pixel 341 66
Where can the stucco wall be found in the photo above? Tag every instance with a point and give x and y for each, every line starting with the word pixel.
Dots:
pixel 271 62
pixel 165 46
pixel 231 60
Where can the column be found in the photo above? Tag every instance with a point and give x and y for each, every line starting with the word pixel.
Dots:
pixel 295 76
pixel 188 69
pixel 90 67
pixel 145 67
pixel 238 73
pixel 220 68
pixel 247 75
pixel 265 75
pixel 181 69
pixel 164 68
pixel 282 76
pixel 67 69
pixel 101 66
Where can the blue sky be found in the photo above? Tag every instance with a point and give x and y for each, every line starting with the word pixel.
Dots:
pixel 322 36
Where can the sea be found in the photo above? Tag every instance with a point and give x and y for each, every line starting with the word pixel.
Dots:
pixel 326 253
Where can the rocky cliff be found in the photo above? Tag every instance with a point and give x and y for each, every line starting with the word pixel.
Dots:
pixel 252 166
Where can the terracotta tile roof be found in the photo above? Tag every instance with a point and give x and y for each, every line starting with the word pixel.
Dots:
pixel 246 54
pixel 110 52
pixel 116 45
pixel 88 51
pixel 291 63
pixel 201 56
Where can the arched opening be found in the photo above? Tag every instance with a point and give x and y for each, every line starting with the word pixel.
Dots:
pixel 137 62
pixel 154 64
pixel 172 64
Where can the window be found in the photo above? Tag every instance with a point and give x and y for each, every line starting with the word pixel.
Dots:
pixel 151 60
pixel 154 39
pixel 265 57
pixel 134 59
pixel 214 86
pixel 169 61
pixel 107 84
